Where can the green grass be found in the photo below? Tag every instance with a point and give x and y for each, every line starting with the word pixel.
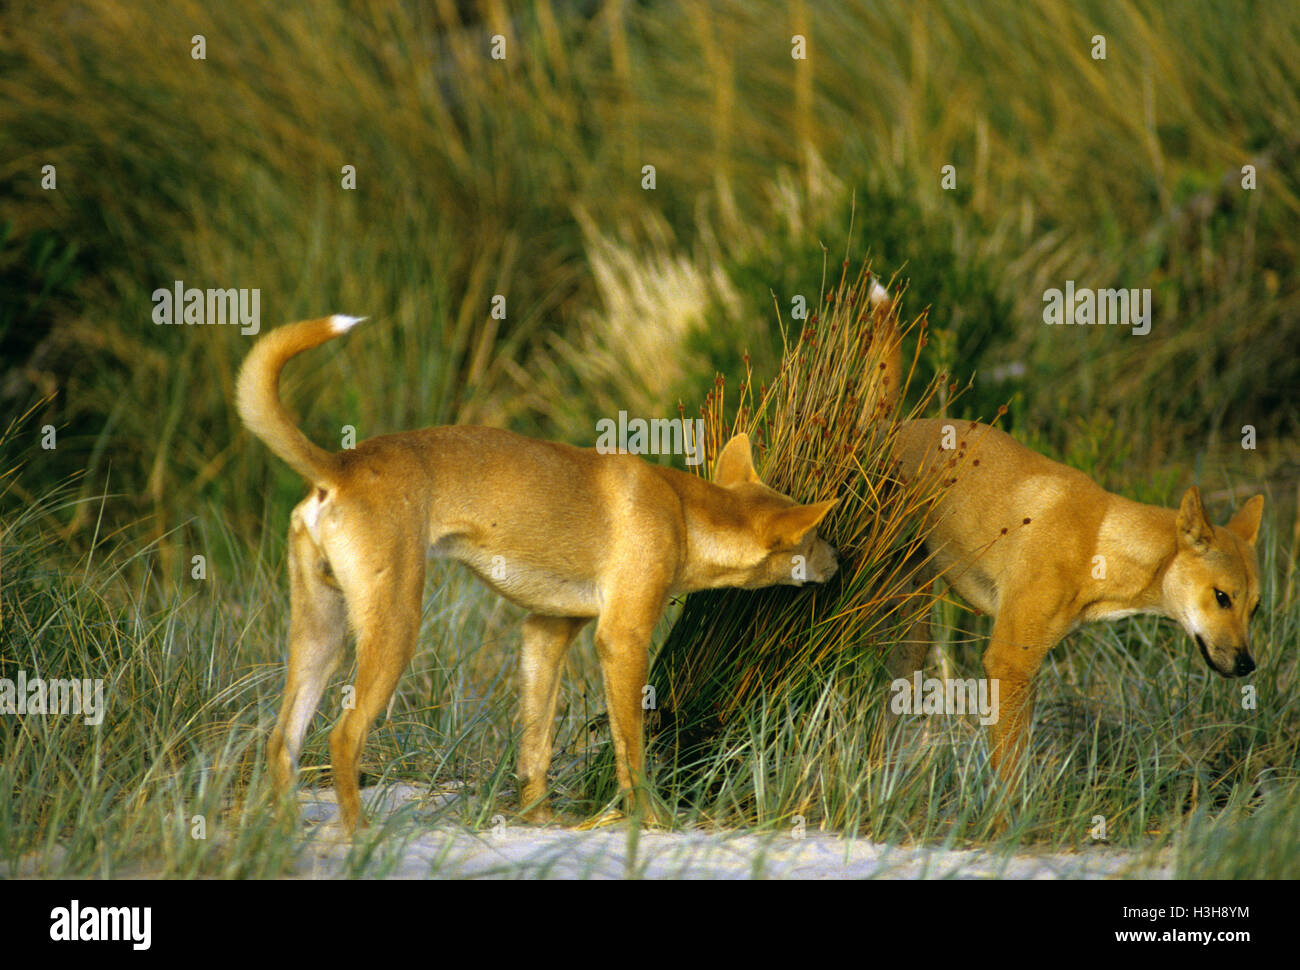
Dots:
pixel 522 177
pixel 1131 726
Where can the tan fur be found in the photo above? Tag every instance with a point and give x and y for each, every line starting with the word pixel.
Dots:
pixel 569 534
pixel 1042 548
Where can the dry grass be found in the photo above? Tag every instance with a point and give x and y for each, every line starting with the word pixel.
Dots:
pixel 824 427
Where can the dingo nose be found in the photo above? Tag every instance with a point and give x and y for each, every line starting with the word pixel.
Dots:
pixel 1243 666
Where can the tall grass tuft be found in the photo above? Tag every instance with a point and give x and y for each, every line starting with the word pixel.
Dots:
pixel 824 427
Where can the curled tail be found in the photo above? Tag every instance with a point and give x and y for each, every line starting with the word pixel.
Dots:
pixel 257 395
pixel 882 309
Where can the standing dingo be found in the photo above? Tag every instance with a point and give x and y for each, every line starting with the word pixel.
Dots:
pixel 1041 547
pixel 569 534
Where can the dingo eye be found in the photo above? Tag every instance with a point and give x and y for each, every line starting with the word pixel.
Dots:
pixel 1223 598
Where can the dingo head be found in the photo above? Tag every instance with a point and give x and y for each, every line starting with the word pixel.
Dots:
pixel 778 544
pixel 1212 585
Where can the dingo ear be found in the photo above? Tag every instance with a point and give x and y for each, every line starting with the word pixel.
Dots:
pixel 1246 522
pixel 1194 529
pixel 735 464
pixel 790 526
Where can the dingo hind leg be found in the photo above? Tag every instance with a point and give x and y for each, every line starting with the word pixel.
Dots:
pixel 317 630
pixel 909 654
pixel 383 583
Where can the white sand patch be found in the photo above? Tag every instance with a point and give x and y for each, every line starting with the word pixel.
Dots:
pixel 404 842
pixel 507 851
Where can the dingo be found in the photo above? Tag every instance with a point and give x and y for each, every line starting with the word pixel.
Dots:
pixel 1042 548
pixel 569 534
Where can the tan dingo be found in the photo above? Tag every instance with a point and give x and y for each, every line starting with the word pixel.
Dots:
pixel 1042 548
pixel 569 534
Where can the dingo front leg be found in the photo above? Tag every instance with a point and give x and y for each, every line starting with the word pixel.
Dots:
pixel 623 646
pixel 546 641
pixel 1022 636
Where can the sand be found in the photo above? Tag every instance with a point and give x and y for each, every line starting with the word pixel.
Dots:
pixel 506 851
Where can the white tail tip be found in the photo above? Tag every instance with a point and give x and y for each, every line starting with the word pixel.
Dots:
pixel 341 324
pixel 879 296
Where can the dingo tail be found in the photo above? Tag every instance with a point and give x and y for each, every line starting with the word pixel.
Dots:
pixel 882 309
pixel 257 395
